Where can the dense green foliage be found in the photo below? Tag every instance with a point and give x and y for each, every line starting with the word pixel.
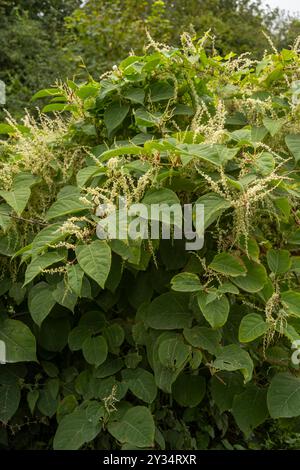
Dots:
pixel 32 48
pixel 143 344
pixel 42 41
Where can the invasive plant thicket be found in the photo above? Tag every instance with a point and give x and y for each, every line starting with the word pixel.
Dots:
pixel 140 343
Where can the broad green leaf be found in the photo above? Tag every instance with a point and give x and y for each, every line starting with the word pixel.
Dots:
pixel 106 87
pixel 52 107
pixel 224 387
pixel 85 174
pixel 48 399
pixel 132 360
pixel 86 290
pixel 255 278
pixel 294 238
pixel 87 91
pixel 46 237
pixel 115 274
pixel 278 261
pixel 114 335
pixel 195 359
pixel 183 110
pixel 186 282
pixel 40 302
pixel 68 202
pixel 215 312
pixel 75 277
pixel 24 252
pixel 124 150
pixel 164 376
pixel 79 427
pixel 288 331
pixel 284 396
pixel 5 219
pixel 114 115
pixel 228 264
pixel 217 154
pixel 144 118
pixel 273 125
pixel 64 296
pixel 11 130
pixel 243 135
pixel 5 285
pixel 204 338
pixel 243 182
pixel 136 427
pixel 160 196
pixel 9 243
pixel 17 199
pixel 233 357
pixel 173 352
pixel 95 350
pixel 32 398
pixel 50 369
pixel 168 312
pixel 6 128
pixel 20 345
pixel 295 264
pixel 40 263
pixel 161 90
pixel 228 288
pixel 66 406
pixel 293 144
pixel 135 94
pixel 189 390
pixel 246 136
pixel 141 383
pixel 17 292
pixel 47 92
pixel 267 291
pixel 160 145
pixel 250 408
pixel 10 396
pixel 283 206
pixel 265 163
pixel 291 302
pixel 252 326
pixel 24 179
pixel 78 336
pixel 250 247
pixel 109 367
pixel 214 206
pixel 95 260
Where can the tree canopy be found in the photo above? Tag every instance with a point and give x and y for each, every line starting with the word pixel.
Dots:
pixel 54 39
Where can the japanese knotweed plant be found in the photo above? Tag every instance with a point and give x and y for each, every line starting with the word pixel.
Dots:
pixel 141 343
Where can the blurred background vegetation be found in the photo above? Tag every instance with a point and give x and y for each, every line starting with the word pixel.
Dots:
pixel 45 40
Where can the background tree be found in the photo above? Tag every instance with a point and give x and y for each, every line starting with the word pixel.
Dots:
pixel 32 53
pixel 102 30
